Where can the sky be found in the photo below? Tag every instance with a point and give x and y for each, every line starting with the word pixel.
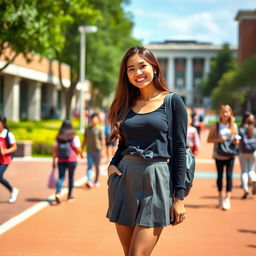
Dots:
pixel 202 20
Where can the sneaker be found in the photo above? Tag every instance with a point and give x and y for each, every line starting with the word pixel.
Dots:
pixel 254 188
pixel 57 198
pixel 71 198
pixel 13 195
pixel 245 195
pixel 89 184
pixel 96 184
pixel 226 204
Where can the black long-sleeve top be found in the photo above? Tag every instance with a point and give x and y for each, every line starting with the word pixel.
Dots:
pixel 146 135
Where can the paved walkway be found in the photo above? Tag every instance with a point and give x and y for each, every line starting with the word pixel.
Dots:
pixel 80 227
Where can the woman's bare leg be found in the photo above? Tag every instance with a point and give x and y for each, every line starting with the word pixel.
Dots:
pixel 144 240
pixel 125 237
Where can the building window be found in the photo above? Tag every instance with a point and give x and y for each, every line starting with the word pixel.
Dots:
pixel 198 70
pixel 180 73
pixel 163 65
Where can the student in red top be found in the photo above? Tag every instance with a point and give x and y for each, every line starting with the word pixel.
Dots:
pixel 66 148
pixel 7 146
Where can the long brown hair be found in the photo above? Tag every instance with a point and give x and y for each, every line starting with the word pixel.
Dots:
pixel 126 93
pixel 231 120
pixel 66 132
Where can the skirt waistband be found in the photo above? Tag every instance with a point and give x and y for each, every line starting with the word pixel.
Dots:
pixel 148 160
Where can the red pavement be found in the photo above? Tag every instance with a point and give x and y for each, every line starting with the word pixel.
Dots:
pixel 80 227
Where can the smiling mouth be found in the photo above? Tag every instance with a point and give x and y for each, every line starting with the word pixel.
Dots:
pixel 141 79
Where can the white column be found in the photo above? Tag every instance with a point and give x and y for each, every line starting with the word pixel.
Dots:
pixel 12 98
pixel 34 101
pixel 189 81
pixel 170 73
pixel 207 66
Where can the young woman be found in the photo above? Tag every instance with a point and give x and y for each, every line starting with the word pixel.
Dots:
pixel 144 194
pixel 221 131
pixel 193 137
pixel 66 147
pixel 247 159
pixel 7 146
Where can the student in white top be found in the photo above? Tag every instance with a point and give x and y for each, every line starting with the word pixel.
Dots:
pixel 225 129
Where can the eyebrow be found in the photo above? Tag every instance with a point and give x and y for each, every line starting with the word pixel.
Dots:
pixel 133 65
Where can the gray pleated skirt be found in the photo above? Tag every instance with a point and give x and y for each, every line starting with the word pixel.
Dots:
pixel 141 195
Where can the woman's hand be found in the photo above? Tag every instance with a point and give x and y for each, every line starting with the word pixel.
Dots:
pixel 177 212
pixel 112 169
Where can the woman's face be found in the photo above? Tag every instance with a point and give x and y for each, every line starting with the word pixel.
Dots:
pixel 225 114
pixel 140 73
pixel 250 119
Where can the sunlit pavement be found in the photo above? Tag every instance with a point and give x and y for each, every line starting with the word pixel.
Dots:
pixel 79 227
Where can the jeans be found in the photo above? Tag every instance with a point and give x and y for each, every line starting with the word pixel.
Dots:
pixel 93 158
pixel 3 181
pixel 220 164
pixel 247 162
pixel 63 166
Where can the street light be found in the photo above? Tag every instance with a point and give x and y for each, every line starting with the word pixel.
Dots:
pixel 83 30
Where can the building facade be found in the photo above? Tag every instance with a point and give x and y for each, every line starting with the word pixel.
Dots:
pixel 246 34
pixel 184 65
pixel 32 91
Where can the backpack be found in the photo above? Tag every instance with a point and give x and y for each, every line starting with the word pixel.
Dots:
pixel 7 141
pixel 64 149
pixel 190 159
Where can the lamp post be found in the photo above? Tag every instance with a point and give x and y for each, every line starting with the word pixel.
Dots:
pixel 83 30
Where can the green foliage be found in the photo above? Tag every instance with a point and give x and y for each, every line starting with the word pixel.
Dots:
pixel 35 26
pixel 237 87
pixel 223 63
pixel 104 49
pixel 225 93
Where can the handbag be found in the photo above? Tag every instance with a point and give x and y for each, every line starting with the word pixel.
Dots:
pixel 226 148
pixel 190 159
pixel 52 179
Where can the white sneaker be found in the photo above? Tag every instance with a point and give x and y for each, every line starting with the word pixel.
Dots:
pixel 96 184
pixel 13 195
pixel 220 202
pixel 226 204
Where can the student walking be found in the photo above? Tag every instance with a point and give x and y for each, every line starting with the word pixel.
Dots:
pixel 224 130
pixel 247 156
pixel 193 137
pixel 110 145
pixel 144 194
pixel 94 140
pixel 7 147
pixel 66 147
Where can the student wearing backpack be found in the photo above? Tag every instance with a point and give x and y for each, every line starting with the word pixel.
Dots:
pixel 66 148
pixel 146 184
pixel 247 156
pixel 7 147
pixel 94 139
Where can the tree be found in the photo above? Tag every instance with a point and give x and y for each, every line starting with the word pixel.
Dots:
pixel 238 87
pixel 33 27
pixel 226 93
pixel 223 63
pixel 103 49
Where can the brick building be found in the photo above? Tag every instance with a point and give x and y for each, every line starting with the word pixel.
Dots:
pixel 247 34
